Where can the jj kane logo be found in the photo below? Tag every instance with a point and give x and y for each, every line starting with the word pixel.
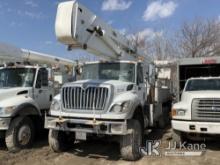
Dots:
pixel 152 148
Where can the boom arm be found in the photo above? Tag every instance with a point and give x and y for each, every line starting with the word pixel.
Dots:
pixel 78 27
pixel 14 54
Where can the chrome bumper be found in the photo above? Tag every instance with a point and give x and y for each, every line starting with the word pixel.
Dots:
pixel 86 125
pixel 198 127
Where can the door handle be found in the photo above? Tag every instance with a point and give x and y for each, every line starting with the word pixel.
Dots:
pixel 40 91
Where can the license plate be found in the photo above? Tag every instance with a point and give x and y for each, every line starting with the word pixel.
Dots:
pixel 80 135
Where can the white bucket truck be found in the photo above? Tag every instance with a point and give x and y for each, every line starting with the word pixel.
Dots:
pixel 115 97
pixel 197 114
pixel 27 88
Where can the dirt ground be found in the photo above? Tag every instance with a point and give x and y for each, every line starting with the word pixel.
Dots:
pixel 96 152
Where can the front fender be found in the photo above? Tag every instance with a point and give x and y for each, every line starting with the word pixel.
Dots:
pixel 26 109
pixel 127 96
pixel 20 103
pixel 185 106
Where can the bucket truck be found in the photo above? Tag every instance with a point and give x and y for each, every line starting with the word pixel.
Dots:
pixel 114 97
pixel 27 86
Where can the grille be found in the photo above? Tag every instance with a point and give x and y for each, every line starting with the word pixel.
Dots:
pixel 91 98
pixel 206 109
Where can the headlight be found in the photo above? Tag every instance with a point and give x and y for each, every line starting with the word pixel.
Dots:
pixel 7 110
pixel 121 108
pixel 55 105
pixel 178 112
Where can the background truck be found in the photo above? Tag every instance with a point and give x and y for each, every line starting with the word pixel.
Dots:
pixel 197 111
pixel 28 83
pixel 118 96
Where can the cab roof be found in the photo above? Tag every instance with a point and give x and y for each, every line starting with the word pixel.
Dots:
pixel 107 61
pixel 203 78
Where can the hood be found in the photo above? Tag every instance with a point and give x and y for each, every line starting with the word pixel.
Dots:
pixel 119 86
pixel 6 93
pixel 186 101
pixel 200 94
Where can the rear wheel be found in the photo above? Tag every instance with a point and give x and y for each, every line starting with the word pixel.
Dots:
pixel 20 134
pixel 177 137
pixel 162 122
pixel 164 118
pixel 59 141
pixel 130 144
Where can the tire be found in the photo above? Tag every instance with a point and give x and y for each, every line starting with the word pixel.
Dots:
pixel 164 118
pixel 130 144
pixel 20 134
pixel 177 138
pixel 59 141
pixel 162 122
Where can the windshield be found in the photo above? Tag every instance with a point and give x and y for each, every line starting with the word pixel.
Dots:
pixel 109 71
pixel 16 77
pixel 202 84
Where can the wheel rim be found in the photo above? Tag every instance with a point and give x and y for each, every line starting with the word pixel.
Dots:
pixel 24 135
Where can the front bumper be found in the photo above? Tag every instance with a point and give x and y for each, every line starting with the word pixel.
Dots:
pixel 87 125
pixel 4 123
pixel 196 127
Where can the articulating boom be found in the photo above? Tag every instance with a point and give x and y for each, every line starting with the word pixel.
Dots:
pixel 78 27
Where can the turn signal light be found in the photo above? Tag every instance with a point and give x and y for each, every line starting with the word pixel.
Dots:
pixel 173 112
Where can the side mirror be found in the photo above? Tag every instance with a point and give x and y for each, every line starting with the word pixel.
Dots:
pixel 78 70
pixel 151 74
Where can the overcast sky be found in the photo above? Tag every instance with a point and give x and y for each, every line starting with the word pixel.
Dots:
pixel 30 23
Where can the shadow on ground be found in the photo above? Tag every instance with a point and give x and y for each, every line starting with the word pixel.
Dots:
pixel 97 149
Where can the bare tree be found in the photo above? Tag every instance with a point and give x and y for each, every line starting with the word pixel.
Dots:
pixel 158 46
pixel 139 41
pixel 200 38
pixel 163 47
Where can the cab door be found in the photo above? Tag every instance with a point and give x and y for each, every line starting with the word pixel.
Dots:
pixel 42 92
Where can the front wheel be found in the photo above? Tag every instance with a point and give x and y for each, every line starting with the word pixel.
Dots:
pixel 20 134
pixel 130 144
pixel 59 141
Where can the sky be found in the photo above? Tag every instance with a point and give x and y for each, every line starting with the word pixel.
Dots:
pixel 29 24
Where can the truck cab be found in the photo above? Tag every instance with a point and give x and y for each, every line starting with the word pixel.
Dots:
pixel 104 88
pixel 198 110
pixel 25 95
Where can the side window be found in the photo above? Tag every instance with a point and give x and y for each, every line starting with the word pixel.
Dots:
pixel 39 81
pixel 140 78
pixel 42 78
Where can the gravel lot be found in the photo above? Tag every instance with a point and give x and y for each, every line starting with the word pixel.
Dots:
pixel 101 152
